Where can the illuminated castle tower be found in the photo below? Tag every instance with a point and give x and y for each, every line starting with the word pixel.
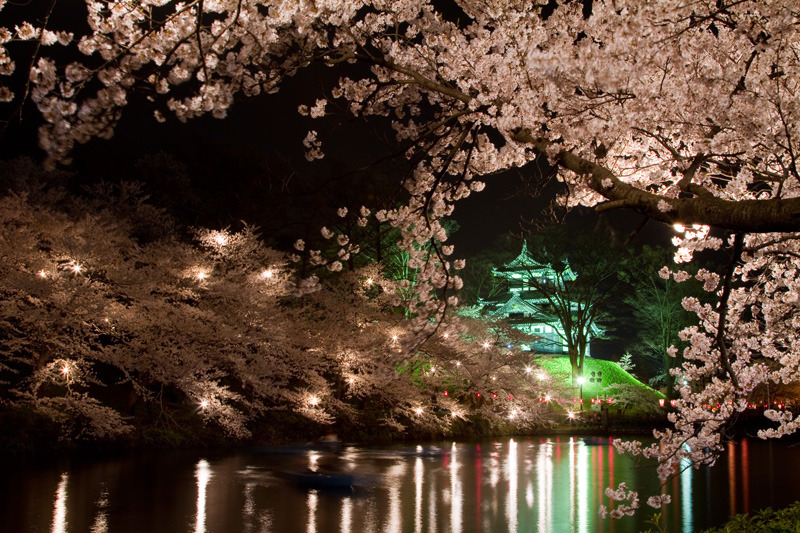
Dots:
pixel 523 301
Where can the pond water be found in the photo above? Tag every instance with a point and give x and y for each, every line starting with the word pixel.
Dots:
pixel 525 484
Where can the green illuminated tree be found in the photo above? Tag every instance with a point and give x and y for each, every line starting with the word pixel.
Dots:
pixel 585 282
pixel 658 313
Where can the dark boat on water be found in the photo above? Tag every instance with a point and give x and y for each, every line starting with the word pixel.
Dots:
pixel 596 441
pixel 320 480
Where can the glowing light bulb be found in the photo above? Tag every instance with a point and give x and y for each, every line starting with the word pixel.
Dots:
pixel 76 268
pixel 204 404
pixel 394 338
pixel 201 276
pixel 314 400
pixel 65 369
pixel 581 380
pixel 571 414
pixel 679 227
pixel 267 274
pixel 42 274
pixel 528 370
pixel 369 281
pixel 458 363
pixel 547 397
pixel 486 345
pixel 220 238
pixel 446 335
pixel 541 376
pixel 418 410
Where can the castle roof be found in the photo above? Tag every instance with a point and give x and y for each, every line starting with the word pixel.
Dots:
pixel 526 265
pixel 516 304
pixel 523 261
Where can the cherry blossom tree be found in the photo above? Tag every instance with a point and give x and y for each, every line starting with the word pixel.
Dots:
pixel 685 112
pixel 100 322
pixel 88 312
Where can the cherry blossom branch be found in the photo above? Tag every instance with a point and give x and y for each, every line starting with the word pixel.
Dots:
pixel 752 216
pixel 723 308
pixel 685 183
pixel 18 109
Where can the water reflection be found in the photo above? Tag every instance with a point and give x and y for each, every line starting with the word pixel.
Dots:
pixel 394 522
pixel 686 495
pixel 739 462
pixel 511 474
pixel 456 496
pixel 418 479
pixel 746 475
pixel 60 511
pixel 347 515
pixel 312 511
pixel 100 524
pixel 203 475
pixel 544 479
pixel 549 485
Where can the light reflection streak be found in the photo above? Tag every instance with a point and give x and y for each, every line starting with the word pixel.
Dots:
pixel 432 499
pixel 456 494
pixel 583 493
pixel 312 511
pixel 611 450
pixel 600 486
pixel 100 524
pixel 494 471
pixel 60 510
pixel 572 483
pixel 394 521
pixel 249 510
pixel 418 479
pixel 313 459
pixel 732 478
pixel 544 481
pixel 346 524
pixel 478 486
pixel 203 474
pixel 746 476
pixel 513 481
pixel 686 495
pixel 529 495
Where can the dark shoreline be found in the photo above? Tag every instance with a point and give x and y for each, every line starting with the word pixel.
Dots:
pixel 28 434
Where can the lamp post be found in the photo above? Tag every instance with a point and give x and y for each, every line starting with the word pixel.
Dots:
pixel 581 381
